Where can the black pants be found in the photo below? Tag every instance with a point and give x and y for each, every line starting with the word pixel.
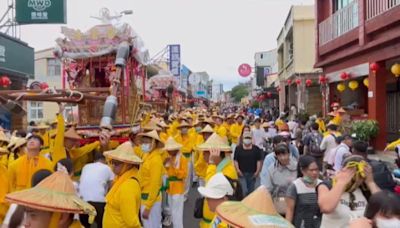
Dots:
pixel 99 217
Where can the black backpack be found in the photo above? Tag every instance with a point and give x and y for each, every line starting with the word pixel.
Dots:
pixel 382 175
pixel 314 145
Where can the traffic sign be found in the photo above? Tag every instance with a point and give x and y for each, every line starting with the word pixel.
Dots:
pixel 244 70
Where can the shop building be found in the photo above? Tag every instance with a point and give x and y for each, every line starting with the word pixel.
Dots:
pixel 361 39
pixel 296 55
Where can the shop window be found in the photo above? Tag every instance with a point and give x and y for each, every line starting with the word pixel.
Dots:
pixel 53 67
pixel 35 110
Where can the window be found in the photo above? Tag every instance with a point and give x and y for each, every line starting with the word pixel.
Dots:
pixel 35 110
pixel 340 4
pixel 53 67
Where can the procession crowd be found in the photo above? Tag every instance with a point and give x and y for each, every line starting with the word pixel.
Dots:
pixel 252 169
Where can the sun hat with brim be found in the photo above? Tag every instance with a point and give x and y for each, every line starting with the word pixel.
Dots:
pixel 171 144
pixel 151 134
pixel 3 137
pixel 215 142
pixel 72 134
pixel 216 188
pixel 151 125
pixel 123 153
pixel 56 193
pixel 41 126
pixel 207 129
pixel 256 210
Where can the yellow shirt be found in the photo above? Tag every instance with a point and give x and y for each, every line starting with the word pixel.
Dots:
pixel 221 131
pixel 188 144
pixel 176 175
pixel 3 191
pixel 81 156
pixel 235 132
pixel 20 171
pixel 122 209
pixel 200 166
pixel 392 146
pixel 150 175
pixel 321 125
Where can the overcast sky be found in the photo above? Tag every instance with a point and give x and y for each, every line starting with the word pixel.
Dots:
pixel 215 35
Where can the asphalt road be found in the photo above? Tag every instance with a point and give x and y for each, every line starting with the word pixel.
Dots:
pixel 188 219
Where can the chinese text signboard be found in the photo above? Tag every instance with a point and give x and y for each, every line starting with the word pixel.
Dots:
pixel 16 58
pixel 175 59
pixel 41 11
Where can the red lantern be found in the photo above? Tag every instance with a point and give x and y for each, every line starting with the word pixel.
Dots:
pixel 269 94
pixel 298 81
pixel 5 81
pixel 44 86
pixel 322 79
pixel 308 82
pixel 374 67
pixel 289 81
pixel 344 76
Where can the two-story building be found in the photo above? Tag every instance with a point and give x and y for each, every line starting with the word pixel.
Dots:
pixel 296 55
pixel 361 38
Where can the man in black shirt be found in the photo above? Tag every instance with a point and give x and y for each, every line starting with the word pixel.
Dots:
pixel 248 159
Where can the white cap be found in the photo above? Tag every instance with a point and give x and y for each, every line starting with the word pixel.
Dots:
pixel 217 187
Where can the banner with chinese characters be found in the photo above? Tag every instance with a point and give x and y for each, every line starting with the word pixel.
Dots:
pixel 175 59
pixel 41 11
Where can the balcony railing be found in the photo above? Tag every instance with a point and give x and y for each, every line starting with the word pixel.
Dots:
pixel 339 23
pixel 377 7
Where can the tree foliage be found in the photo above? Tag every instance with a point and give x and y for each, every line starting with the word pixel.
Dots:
pixel 238 92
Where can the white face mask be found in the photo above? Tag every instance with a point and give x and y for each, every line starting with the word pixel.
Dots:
pixel 247 141
pixel 387 223
pixel 146 148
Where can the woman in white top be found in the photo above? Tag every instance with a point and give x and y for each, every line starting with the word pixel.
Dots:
pixel 346 199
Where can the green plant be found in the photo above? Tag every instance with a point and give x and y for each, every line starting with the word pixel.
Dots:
pixel 365 129
pixel 255 104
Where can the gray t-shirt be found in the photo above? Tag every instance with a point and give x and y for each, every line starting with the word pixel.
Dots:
pixel 306 211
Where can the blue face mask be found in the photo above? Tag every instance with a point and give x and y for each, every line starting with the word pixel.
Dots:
pixel 145 148
pixel 198 129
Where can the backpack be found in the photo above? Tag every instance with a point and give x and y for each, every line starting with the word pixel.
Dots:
pixel 382 176
pixel 314 145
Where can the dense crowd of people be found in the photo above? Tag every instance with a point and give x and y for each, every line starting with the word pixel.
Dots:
pixel 253 168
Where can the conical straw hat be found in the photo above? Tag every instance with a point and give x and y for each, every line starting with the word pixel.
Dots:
pixel 215 142
pixel 16 143
pixel 184 124
pixel 4 151
pixel 256 210
pixel 152 134
pixel 207 129
pixel 41 126
pixel 171 144
pixel 124 153
pixel 208 121
pixel 72 134
pixel 151 125
pixel 3 137
pixel 162 124
pixel 55 193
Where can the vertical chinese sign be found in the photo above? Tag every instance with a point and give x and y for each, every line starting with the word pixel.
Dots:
pixel 175 59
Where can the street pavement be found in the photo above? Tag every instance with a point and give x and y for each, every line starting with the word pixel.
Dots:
pixel 188 219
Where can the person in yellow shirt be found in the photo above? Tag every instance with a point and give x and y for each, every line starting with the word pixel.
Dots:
pixel 21 170
pixel 236 131
pixel 123 200
pixel 177 170
pixel 219 159
pixel 4 186
pixel 188 143
pixel 42 131
pixel 51 203
pixel 150 178
pixel 200 165
pixel 219 127
pixel 16 148
pixel 4 141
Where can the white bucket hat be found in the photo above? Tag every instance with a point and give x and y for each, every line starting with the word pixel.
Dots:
pixel 217 187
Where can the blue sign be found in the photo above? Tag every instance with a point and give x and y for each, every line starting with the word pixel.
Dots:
pixel 175 59
pixel 200 93
pixel 185 71
pixel 267 71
